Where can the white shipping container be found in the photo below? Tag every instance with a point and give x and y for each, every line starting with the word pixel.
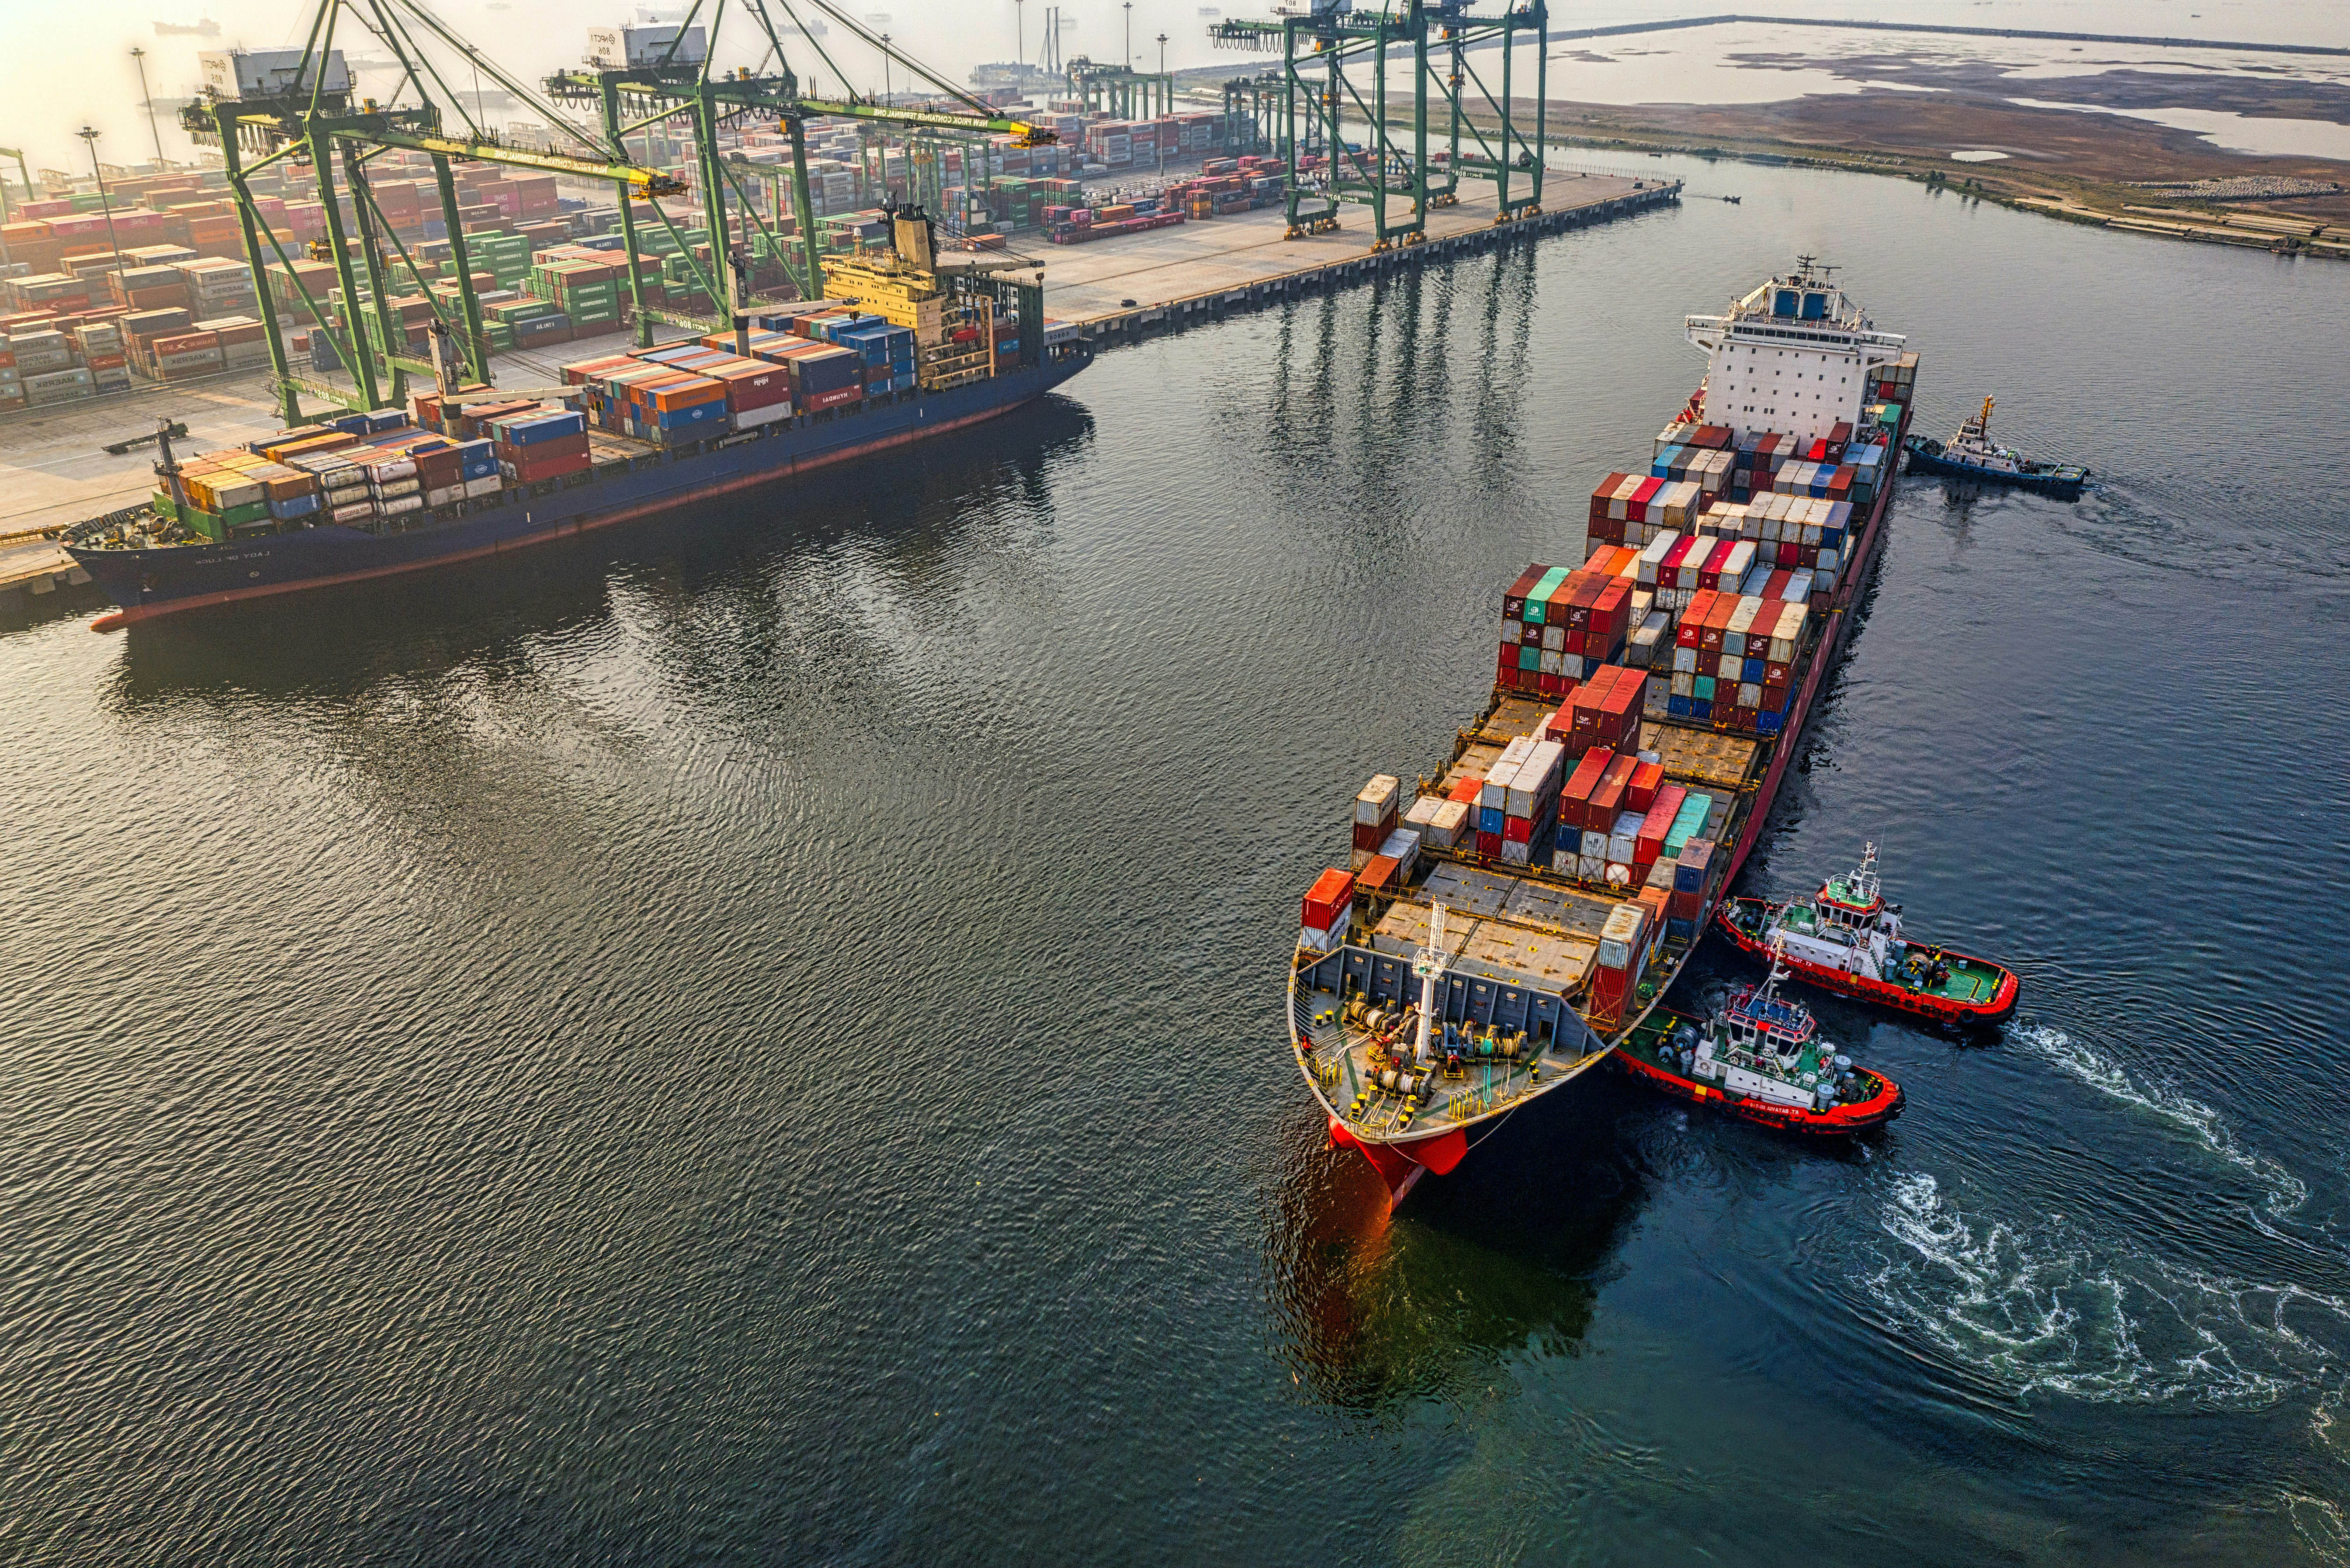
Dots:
pixel 1402 847
pixel 753 418
pixel 1321 941
pixel 1451 822
pixel 1594 845
pixel 1494 794
pixel 1376 801
pixel 484 487
pixel 1517 853
pixel 1563 863
pixel 1591 867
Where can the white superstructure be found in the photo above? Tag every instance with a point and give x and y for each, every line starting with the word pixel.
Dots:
pixel 1796 356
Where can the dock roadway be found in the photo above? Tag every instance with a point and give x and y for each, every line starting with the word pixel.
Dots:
pixel 1089 283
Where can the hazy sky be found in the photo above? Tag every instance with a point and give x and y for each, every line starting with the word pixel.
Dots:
pixel 67 64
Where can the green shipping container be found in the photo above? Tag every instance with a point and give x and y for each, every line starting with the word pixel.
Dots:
pixel 251 512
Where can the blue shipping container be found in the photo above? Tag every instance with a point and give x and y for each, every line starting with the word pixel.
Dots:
pixel 546 428
pixel 694 414
pixel 1490 818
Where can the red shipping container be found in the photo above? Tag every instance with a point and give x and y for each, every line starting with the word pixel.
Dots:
pixel 1693 622
pixel 1514 602
pixel 1506 671
pixel 1370 835
pixel 1551 685
pixel 1642 792
pixel 1381 876
pixel 538 471
pixel 1518 829
pixel 1607 795
pixel 1465 791
pixel 1331 892
pixel 1604 1005
pixel 1488 845
pixel 1656 824
pixel 1620 712
pixel 1574 795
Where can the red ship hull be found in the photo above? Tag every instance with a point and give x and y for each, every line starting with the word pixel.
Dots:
pixel 1918 1005
pixel 1401 1165
pixel 1873 1112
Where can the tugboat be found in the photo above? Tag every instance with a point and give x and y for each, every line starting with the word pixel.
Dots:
pixel 1847 939
pixel 1761 1057
pixel 1971 454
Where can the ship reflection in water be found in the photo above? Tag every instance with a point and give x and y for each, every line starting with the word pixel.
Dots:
pixel 1385 1307
pixel 921 517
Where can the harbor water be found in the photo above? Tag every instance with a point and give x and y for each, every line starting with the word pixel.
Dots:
pixel 757 1037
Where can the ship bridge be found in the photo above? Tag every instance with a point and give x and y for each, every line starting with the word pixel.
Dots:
pixel 1795 356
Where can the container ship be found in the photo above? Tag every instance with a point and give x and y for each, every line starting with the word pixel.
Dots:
pixel 896 353
pixel 1510 917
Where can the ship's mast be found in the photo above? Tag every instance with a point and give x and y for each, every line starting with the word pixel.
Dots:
pixel 1864 879
pixel 1429 964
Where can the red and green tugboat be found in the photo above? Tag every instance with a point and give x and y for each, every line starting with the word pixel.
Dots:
pixel 1847 939
pixel 1759 1057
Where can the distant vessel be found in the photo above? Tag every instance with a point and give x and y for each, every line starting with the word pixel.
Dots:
pixel 1971 454
pixel 1847 939
pixel 1761 1057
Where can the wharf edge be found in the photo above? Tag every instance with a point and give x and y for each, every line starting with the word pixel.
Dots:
pixel 1211 306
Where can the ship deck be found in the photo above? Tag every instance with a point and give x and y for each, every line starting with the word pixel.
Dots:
pixel 1487 1081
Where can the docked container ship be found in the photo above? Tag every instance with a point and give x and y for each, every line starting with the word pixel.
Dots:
pixel 897 355
pixel 1510 916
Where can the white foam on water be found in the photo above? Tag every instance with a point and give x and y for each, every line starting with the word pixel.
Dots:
pixel 2285 1192
pixel 2042 1308
pixel 2320 1524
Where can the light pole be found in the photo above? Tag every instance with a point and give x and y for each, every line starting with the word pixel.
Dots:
pixel 90 136
pixel 1129 35
pixel 1019 37
pixel 885 70
pixel 138 55
pixel 1160 140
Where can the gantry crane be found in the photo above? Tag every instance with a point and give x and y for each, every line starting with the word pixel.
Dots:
pixel 632 98
pixel 307 114
pixel 1322 51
